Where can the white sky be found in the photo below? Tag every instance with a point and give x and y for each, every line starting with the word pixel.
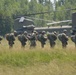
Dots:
pixel 51 1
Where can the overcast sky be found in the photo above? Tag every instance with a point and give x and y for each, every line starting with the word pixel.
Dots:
pixel 51 1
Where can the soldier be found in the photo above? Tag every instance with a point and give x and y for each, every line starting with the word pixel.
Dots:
pixel 25 33
pixel 52 38
pixel 0 39
pixel 10 38
pixel 63 38
pixel 42 39
pixel 15 33
pixel 65 31
pixel 73 38
pixel 32 39
pixel 23 39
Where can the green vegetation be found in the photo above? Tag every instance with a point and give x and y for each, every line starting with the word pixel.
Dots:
pixel 23 58
pixel 37 61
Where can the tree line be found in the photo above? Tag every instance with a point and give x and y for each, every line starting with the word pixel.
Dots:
pixel 12 9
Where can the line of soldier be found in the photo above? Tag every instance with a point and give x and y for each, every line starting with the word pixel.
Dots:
pixel 34 36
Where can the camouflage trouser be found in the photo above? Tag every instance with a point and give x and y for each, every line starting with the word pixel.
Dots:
pixel 33 43
pixel 42 44
pixel 10 44
pixel 23 43
pixel 52 44
pixel 64 44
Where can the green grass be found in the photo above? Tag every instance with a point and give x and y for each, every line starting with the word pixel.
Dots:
pixel 23 58
pixel 37 61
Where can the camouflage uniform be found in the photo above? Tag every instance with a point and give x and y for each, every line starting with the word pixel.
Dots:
pixel 52 38
pixel 22 38
pixel 42 39
pixel 15 33
pixel 10 38
pixel 73 38
pixel 25 33
pixel 63 38
pixel 0 39
pixel 32 39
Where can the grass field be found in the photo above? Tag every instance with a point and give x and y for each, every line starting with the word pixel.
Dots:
pixel 37 61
